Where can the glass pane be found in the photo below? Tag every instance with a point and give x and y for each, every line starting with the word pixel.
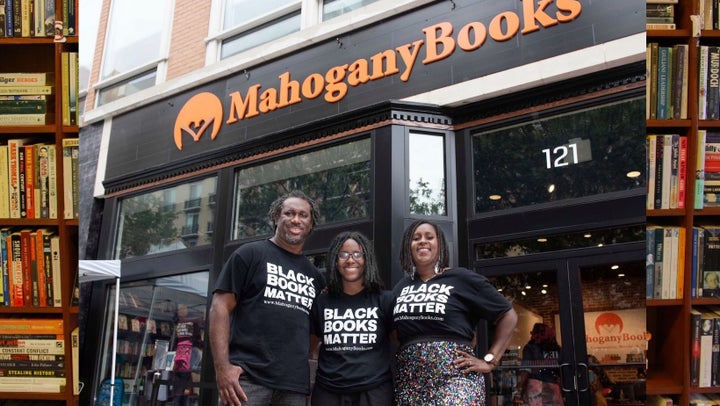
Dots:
pixel 167 220
pixel 427 174
pixel 161 326
pixel 615 331
pixel 583 239
pixel 127 87
pixel 337 177
pixel 530 367
pixel 266 33
pixel 334 8
pixel 134 38
pixel 239 12
pixel 583 153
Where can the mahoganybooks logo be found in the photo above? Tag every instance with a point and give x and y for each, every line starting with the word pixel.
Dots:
pixel 200 112
pixel 440 41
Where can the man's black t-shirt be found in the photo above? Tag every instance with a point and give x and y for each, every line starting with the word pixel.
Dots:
pixel 355 354
pixel 275 290
pixel 450 304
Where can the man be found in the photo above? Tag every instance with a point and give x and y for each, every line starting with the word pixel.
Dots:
pixel 259 318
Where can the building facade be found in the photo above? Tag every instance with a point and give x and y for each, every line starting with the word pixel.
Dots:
pixel 518 126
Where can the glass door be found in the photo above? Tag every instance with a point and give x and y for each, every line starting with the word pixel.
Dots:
pixel 580 337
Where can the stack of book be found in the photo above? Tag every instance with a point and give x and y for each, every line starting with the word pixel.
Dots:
pixel 663 266
pixel 705 342
pixel 28 179
pixel 32 355
pixel 666 171
pixel 660 14
pixel 667 71
pixel 30 265
pixel 36 18
pixel 24 98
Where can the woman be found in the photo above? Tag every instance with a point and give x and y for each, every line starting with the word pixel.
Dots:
pixel 436 311
pixel 541 386
pixel 353 319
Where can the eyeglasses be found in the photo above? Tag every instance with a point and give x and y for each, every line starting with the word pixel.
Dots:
pixel 346 255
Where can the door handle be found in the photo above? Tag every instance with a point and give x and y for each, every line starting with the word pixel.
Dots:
pixel 567 370
pixel 582 377
pixel 579 374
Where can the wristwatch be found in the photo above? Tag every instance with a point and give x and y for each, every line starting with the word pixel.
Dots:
pixel 490 359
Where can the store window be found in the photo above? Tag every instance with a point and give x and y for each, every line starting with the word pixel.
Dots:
pixel 426 175
pixel 337 177
pixel 135 46
pixel 160 327
pixel 334 8
pixel 251 23
pixel 549 158
pixel 166 220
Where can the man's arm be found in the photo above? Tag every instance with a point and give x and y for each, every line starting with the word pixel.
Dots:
pixel 226 374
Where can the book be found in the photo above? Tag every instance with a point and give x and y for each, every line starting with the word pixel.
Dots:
pixel 707 322
pixel 651 144
pixel 52 182
pixel 695 326
pixel 29 285
pixel 23 107
pixel 2 19
pixel 710 272
pixel 680 90
pixel 682 173
pixel 660 26
pixel 4 183
pixel 38 384
pixel 29 180
pixel 24 90
pixel 715 375
pixel 658 400
pixel 651 90
pixel 70 177
pixel 663 81
pixel 56 270
pixel 702 81
pixel 43 263
pixel 75 352
pixel 4 271
pixel 700 170
pixel 14 196
pixel 24 119
pixel 713 89
pixel 17 297
pixel 42 162
pixel 26 79
pixel 31 326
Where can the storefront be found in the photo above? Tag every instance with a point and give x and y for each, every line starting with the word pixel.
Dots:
pixel 519 129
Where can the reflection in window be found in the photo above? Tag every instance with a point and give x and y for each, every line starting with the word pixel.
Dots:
pixel 334 8
pixel 161 326
pixel 338 178
pixel 260 22
pixel 582 153
pixel 166 220
pixel 537 245
pixel 427 174
pixel 134 38
pixel 126 87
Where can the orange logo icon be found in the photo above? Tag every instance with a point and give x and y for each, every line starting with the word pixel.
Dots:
pixel 200 112
pixel 608 324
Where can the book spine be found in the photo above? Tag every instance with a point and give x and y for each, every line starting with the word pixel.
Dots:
pixel 4 183
pixel 663 81
pixel 56 271
pixel 682 173
pixel 695 348
pixel 42 178
pixel 713 91
pixel 700 170
pixel 30 365
pixel 659 256
pixel 23 106
pixel 40 268
pixel 652 55
pixel 29 181
pixel 659 170
pixel 674 170
pixel 694 266
pixel 715 371
pixel 26 267
pixel 32 357
pixel 36 282
pixel 5 273
pixel 49 21
pixel 649 263
pixel 47 268
pixel 651 170
pixel 15 268
pixel 702 81
pixel 52 182
pixel 21 181
pixel 65 87
pixel 25 90
pixel 9 29
pixel 23 119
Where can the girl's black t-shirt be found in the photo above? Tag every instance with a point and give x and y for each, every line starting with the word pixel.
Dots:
pixel 448 305
pixel 354 329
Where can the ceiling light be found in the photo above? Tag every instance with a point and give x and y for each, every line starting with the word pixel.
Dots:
pixel 614 267
pixel 542 239
pixel 494 197
pixel 551 188
pixel 633 174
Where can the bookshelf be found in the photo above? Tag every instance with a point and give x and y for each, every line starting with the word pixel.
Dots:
pixel 44 53
pixel 669 319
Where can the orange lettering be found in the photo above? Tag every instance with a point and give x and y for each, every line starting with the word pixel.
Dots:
pixel 409 53
pixel 244 108
pixel 377 64
pixel 312 86
pixel 336 89
pixel 531 15
pixel 268 100
pixel 469 42
pixel 358 72
pixel 289 91
pixel 496 26
pixel 572 6
pixel 437 37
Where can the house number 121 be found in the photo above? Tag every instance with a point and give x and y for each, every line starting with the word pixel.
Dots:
pixel 560 156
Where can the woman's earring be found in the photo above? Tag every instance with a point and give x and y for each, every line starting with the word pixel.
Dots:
pixel 412 274
pixel 437 268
